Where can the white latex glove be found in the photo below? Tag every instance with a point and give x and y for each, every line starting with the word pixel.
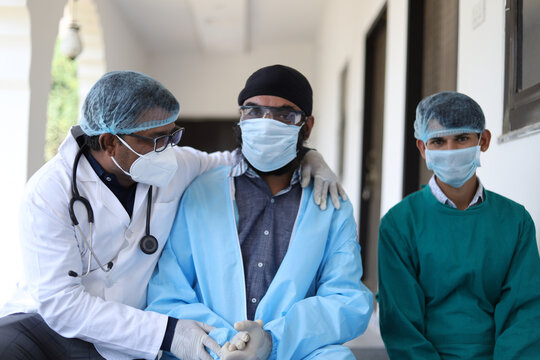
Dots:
pixel 314 165
pixel 258 347
pixel 190 338
pixel 239 341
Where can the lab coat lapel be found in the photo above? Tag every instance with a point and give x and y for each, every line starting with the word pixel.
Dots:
pixel 87 175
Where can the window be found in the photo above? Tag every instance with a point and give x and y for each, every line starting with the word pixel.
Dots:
pixel 522 79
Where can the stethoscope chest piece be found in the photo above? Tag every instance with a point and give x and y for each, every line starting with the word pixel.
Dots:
pixel 148 244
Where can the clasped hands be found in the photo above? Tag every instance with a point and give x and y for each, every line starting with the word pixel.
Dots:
pixel 251 342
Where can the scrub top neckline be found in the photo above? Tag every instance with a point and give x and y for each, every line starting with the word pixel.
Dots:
pixel 451 210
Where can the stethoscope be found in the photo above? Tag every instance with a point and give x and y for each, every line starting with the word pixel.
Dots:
pixel 148 243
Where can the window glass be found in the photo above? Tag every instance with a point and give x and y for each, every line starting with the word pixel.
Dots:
pixel 530 46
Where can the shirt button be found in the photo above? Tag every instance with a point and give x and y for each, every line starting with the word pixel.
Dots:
pixel 108 178
pixel 272 200
pixel 253 300
pixel 266 232
pixel 260 264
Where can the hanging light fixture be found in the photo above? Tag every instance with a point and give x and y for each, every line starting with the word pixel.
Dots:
pixel 71 45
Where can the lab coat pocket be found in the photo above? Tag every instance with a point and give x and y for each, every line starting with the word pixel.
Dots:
pixel 92 251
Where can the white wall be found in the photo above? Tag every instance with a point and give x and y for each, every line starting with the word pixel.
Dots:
pixel 342 38
pixel 511 169
pixel 208 85
pixel 122 49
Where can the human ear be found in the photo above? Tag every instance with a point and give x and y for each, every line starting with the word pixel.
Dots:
pixel 310 120
pixel 485 139
pixel 421 147
pixel 108 143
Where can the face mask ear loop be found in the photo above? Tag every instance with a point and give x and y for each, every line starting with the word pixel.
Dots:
pixel 118 166
pixel 129 147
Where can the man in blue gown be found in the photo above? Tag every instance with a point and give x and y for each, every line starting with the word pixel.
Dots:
pixel 248 244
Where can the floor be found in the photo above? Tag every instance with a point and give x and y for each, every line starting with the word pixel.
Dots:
pixel 369 346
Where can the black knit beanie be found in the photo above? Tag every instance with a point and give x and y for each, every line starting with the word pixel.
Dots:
pixel 282 81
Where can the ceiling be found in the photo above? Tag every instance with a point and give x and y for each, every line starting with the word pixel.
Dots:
pixel 221 26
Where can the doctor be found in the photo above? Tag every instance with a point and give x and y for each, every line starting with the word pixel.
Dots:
pixel 93 223
pixel 248 243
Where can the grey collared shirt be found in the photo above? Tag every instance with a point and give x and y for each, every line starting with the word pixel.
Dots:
pixel 442 198
pixel 265 224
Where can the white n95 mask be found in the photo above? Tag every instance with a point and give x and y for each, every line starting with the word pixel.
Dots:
pixel 268 144
pixel 454 167
pixel 153 168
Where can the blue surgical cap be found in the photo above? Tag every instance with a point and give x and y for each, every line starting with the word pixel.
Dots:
pixel 447 113
pixel 124 102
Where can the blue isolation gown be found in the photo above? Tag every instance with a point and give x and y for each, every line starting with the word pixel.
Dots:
pixel 316 301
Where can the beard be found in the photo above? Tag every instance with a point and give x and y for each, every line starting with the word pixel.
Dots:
pixel 301 150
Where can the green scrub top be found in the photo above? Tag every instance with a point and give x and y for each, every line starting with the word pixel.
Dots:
pixel 459 284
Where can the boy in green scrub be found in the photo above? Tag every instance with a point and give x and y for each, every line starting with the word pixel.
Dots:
pixel 459 271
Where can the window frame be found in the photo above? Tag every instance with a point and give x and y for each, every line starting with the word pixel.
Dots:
pixel 521 107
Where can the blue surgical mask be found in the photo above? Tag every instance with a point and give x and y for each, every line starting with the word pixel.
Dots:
pixel 268 144
pixel 454 167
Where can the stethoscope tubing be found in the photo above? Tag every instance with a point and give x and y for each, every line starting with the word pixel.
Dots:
pixel 148 243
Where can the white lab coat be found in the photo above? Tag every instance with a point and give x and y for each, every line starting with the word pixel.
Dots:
pixel 102 308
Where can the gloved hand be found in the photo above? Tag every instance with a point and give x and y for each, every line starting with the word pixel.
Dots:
pixel 258 347
pixel 314 165
pixel 190 338
pixel 238 342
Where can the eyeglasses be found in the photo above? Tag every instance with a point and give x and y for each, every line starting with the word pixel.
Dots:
pixel 284 115
pixel 161 142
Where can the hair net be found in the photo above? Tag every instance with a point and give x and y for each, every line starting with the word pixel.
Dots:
pixel 124 102
pixel 447 113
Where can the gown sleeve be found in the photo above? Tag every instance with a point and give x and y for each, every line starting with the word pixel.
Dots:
pixel 401 298
pixel 339 311
pixel 517 314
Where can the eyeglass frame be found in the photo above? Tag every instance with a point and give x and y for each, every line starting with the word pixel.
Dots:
pixel 158 138
pixel 302 114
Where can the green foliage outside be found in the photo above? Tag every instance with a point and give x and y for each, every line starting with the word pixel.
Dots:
pixel 63 106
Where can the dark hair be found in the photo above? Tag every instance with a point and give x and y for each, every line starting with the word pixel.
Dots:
pixel 93 143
